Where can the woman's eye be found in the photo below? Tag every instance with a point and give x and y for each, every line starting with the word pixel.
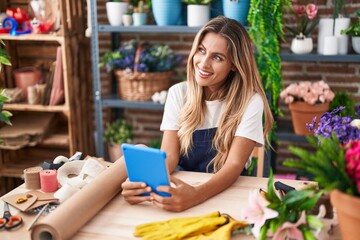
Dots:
pixel 201 50
pixel 217 58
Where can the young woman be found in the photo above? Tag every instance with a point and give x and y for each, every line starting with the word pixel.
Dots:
pixel 213 121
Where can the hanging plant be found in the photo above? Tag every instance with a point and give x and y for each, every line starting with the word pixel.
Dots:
pixel 4 115
pixel 265 20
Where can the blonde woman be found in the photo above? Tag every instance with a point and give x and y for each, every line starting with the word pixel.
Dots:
pixel 213 121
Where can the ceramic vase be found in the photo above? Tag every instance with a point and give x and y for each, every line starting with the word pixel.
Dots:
pixel 347 208
pixel 342 40
pixel 237 9
pixel 326 27
pixel 26 77
pixel 166 12
pixel 114 151
pixel 301 45
pixel 303 113
pixel 139 19
pixel 355 42
pixel 127 19
pixel 197 15
pixel 115 11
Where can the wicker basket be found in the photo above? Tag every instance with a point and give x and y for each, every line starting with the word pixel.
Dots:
pixel 140 86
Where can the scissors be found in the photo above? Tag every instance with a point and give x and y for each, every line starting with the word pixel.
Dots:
pixel 9 221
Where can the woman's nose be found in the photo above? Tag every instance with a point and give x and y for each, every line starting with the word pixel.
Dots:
pixel 204 62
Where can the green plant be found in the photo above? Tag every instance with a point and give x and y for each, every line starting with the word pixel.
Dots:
pixel 4 59
pixel 339 8
pixel 343 98
pixel 153 57
pixel 354 28
pixel 265 20
pixel 118 132
pixel 285 218
pixel 155 143
pixel 197 2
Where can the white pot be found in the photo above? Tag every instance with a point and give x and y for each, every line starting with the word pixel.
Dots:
pixel 127 19
pixel 326 27
pixel 330 45
pixel 115 11
pixel 355 41
pixel 139 19
pixel 343 40
pixel 301 45
pixel 197 15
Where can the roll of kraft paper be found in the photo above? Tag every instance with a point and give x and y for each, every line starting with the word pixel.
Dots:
pixel 32 177
pixel 73 214
pixel 48 180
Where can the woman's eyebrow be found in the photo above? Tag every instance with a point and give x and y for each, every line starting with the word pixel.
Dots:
pixel 213 53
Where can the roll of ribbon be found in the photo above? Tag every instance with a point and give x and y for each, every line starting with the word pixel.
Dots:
pixel 32 177
pixel 48 180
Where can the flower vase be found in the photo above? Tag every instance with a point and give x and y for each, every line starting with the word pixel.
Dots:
pixel 114 151
pixel 301 44
pixel 302 113
pixel 347 208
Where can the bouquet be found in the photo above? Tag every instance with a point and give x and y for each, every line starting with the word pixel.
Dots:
pixel 304 17
pixel 153 58
pixel 286 218
pixel 311 93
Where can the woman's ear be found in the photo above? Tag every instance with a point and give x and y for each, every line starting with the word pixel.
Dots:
pixel 233 68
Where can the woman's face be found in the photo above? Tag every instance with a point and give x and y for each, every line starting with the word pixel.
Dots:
pixel 212 62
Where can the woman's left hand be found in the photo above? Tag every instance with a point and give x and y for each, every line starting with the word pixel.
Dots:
pixel 183 196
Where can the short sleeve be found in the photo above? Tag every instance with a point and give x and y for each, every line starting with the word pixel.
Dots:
pixel 173 104
pixel 251 125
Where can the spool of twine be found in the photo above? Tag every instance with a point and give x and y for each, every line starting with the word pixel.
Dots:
pixel 48 180
pixel 32 177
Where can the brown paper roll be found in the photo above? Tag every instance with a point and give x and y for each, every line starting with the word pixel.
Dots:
pixel 75 212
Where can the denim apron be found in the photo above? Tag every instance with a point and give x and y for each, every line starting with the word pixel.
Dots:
pixel 201 153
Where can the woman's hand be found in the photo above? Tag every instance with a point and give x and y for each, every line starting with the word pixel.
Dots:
pixel 132 190
pixel 183 196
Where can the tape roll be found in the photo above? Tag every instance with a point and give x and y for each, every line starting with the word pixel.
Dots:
pixel 68 170
pixel 65 192
pixel 48 180
pixel 32 177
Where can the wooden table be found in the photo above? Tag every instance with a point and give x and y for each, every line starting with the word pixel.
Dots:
pixel 118 219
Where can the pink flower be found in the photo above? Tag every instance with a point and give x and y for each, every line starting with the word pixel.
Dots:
pixel 311 10
pixel 257 213
pixel 299 10
pixel 309 92
pixel 290 230
pixel 352 157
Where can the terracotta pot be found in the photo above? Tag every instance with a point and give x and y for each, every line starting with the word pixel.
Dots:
pixel 114 151
pixel 25 77
pixel 348 209
pixel 302 113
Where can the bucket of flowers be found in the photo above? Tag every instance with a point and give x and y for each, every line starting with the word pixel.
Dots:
pixel 141 69
pixel 306 100
pixel 335 165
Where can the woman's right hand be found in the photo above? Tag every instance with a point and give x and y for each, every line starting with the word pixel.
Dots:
pixel 132 190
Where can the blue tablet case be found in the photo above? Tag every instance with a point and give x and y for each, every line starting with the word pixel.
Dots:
pixel 145 164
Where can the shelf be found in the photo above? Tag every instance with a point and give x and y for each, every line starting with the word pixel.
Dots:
pixel 292 137
pixel 35 108
pixel 118 103
pixel 58 140
pixel 149 29
pixel 33 37
pixel 314 57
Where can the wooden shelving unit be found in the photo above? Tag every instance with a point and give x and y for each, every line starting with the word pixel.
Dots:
pixel 73 130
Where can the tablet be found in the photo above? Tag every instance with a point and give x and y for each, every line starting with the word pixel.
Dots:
pixel 145 164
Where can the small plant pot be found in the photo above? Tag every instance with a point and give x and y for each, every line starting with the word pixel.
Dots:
pixel 127 19
pixel 25 77
pixel 114 151
pixel 355 41
pixel 139 19
pixel 301 45
pixel 197 15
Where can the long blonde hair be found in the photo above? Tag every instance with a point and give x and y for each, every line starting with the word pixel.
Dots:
pixel 236 92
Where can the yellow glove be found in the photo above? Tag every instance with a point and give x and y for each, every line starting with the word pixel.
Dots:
pixel 178 228
pixel 222 232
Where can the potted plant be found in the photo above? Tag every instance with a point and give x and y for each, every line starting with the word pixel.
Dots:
pixel 140 11
pixel 335 165
pixel 115 134
pixel 306 100
pixel 114 10
pixel 305 22
pixel 4 59
pixel 198 12
pixel 354 31
pixel 141 68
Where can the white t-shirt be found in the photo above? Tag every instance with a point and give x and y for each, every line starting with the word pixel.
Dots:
pixel 250 127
